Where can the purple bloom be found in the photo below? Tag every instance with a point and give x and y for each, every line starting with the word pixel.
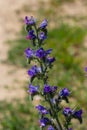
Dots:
pixel 48 51
pixel 42 36
pixel 78 115
pixel 42 109
pixel 41 53
pixel 43 24
pixel 67 111
pixel 31 35
pixel 50 128
pixel 70 129
pixel 64 92
pixel 33 89
pixel 29 53
pixel 34 71
pixel 49 89
pixel 29 21
pixel 50 60
pixel 86 69
pixel 44 121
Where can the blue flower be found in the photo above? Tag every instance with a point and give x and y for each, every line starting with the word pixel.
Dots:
pixel 48 51
pixel 41 53
pixel 50 60
pixel 50 128
pixel 44 121
pixel 43 24
pixel 64 92
pixel 29 53
pixel 42 36
pixel 29 21
pixel 31 35
pixel 34 71
pixel 67 111
pixel 33 90
pixel 49 90
pixel 42 109
pixel 78 115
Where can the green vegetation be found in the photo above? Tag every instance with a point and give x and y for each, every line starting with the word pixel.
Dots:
pixel 20 116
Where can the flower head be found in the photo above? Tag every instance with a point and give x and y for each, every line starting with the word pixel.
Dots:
pixel 29 53
pixel 44 121
pixel 64 92
pixel 70 129
pixel 78 115
pixel 67 111
pixel 33 90
pixel 42 109
pixel 50 60
pixel 29 21
pixel 50 128
pixel 31 35
pixel 34 71
pixel 48 51
pixel 49 90
pixel 86 69
pixel 42 36
pixel 41 53
pixel 43 24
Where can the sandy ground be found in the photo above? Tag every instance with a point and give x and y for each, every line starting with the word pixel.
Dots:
pixel 11 77
pixel 9 27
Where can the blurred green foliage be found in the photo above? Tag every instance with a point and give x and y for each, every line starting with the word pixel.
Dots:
pixel 20 116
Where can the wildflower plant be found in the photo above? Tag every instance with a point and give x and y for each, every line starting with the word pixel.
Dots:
pixel 42 64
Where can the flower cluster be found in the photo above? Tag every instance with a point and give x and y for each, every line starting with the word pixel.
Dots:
pixel 43 62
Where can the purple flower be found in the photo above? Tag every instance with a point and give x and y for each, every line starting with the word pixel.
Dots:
pixel 34 71
pixel 70 129
pixel 67 111
pixel 49 89
pixel 31 35
pixel 50 128
pixel 78 115
pixel 29 53
pixel 44 121
pixel 41 53
pixel 42 36
pixel 43 24
pixel 29 21
pixel 86 69
pixel 33 90
pixel 64 92
pixel 50 60
pixel 48 51
pixel 42 109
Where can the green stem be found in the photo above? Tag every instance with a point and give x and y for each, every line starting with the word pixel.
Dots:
pixel 59 125
pixel 36 33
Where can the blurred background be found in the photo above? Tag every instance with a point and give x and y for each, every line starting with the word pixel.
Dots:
pixel 67 36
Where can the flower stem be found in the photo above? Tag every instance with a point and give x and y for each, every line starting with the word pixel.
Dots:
pixel 54 113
